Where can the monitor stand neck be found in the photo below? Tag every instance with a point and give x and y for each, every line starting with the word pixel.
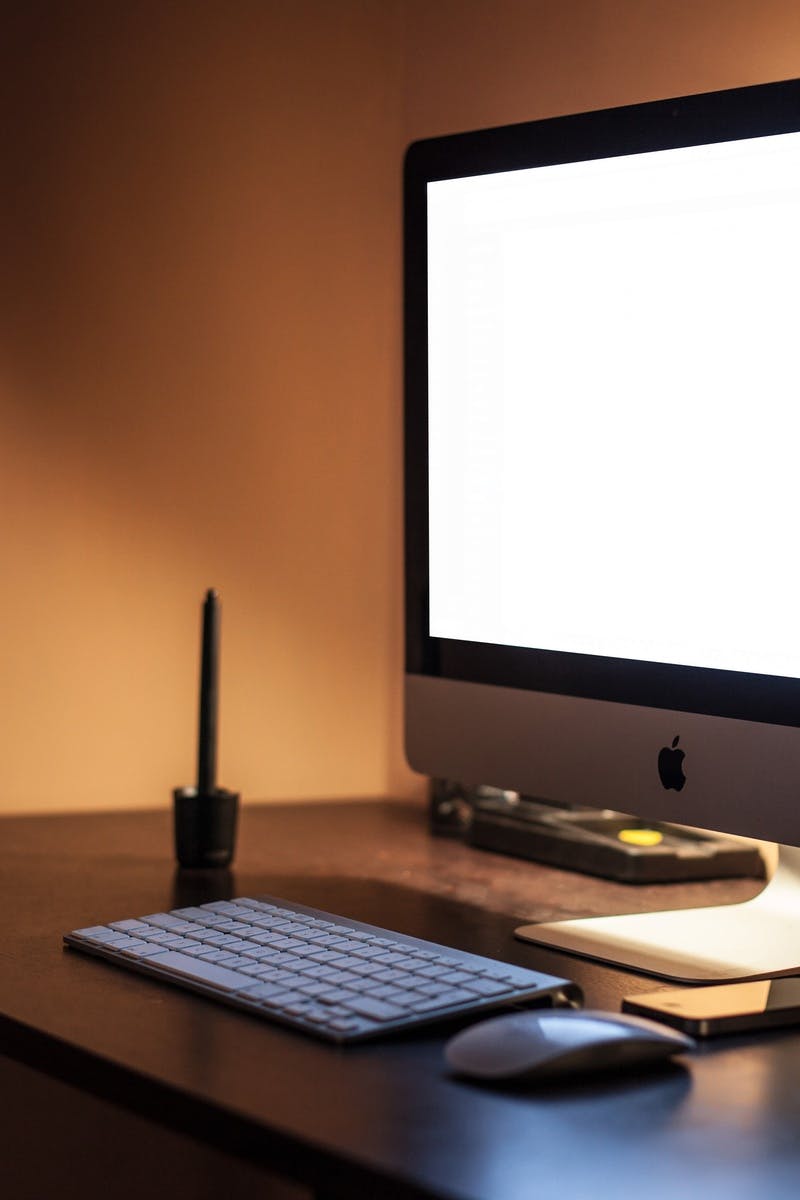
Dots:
pixel 755 939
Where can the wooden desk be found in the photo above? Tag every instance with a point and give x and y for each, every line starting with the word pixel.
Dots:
pixel 110 1074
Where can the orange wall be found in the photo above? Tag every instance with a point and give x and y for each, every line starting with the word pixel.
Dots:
pixel 199 372
pixel 488 62
pixel 200 355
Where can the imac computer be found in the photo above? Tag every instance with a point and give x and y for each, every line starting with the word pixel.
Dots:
pixel 603 486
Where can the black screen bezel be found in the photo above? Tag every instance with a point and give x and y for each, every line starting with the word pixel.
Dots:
pixel 703 119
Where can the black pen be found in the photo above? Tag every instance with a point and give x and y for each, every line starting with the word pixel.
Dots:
pixel 205 815
pixel 209 697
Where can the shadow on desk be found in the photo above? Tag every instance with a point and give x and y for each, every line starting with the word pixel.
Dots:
pixel 56 1140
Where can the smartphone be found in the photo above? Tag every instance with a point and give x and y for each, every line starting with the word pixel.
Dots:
pixel 723 1007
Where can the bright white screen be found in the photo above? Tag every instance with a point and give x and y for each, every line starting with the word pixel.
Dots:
pixel 614 412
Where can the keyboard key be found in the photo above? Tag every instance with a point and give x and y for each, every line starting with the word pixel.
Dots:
pixel 293 980
pixel 498 971
pixel 387 991
pixel 390 975
pixel 431 987
pixel 319 1015
pixel 379 1010
pixel 204 972
pixel 143 951
pixel 99 934
pixel 368 988
pixel 443 1000
pixel 288 979
pixel 335 996
pixel 488 987
pixel 314 988
pixel 281 958
pixel 282 999
pixel 263 991
pixel 122 942
pixel 236 962
pixel 296 1008
pixel 325 956
pixel 211 955
pixel 455 977
pixel 260 970
pixel 164 920
pixel 401 996
pixel 432 971
pixel 344 978
pixel 317 970
pixel 366 970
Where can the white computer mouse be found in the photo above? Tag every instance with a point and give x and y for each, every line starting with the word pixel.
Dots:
pixel 550 1042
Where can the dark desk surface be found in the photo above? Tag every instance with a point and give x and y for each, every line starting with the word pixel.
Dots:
pixel 380 1119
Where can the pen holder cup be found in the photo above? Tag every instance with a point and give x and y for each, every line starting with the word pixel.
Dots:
pixel 205 826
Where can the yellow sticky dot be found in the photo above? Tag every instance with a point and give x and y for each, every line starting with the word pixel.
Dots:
pixel 640 837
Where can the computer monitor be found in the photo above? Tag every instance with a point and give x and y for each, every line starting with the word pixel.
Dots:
pixel 602 485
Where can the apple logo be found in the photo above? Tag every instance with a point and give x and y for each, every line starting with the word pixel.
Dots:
pixel 670 765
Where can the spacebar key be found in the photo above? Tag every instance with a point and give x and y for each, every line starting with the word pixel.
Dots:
pixel 366 1006
pixel 203 972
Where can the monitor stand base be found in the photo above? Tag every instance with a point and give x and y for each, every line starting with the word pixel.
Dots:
pixel 757 939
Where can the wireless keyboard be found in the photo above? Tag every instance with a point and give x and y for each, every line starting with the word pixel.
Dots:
pixel 314 971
